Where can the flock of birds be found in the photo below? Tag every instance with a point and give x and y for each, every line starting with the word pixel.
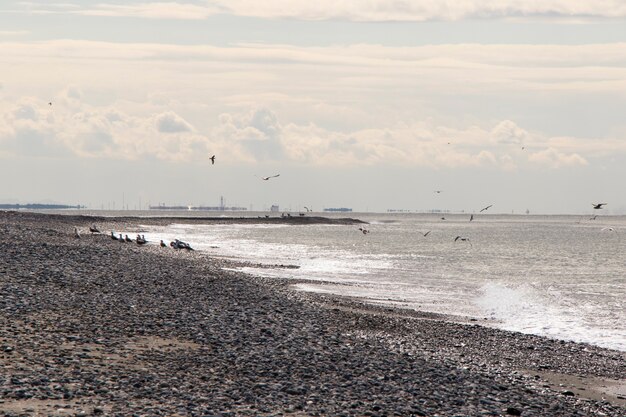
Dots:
pixel 459 238
pixel 178 244
pixel 140 239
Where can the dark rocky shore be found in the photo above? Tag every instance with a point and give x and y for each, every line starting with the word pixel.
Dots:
pixel 92 326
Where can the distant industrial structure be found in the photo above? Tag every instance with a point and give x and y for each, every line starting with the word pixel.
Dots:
pixel 339 209
pixel 221 207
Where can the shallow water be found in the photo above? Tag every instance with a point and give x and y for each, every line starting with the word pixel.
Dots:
pixel 557 276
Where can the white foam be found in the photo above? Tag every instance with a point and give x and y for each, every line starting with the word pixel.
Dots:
pixel 524 309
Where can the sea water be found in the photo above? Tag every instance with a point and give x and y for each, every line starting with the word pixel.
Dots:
pixel 558 276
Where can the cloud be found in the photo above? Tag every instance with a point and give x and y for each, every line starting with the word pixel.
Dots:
pixel 255 134
pixel 170 122
pixel 508 132
pixel 31 127
pixel 370 11
pixel 553 158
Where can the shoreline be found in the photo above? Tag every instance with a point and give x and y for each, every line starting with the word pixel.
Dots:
pixel 113 329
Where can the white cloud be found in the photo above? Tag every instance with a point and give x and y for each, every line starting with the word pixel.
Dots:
pixel 170 122
pixel 555 159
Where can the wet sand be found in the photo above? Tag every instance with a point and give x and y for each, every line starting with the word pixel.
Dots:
pixel 92 326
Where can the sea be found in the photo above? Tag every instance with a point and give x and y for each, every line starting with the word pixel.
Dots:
pixel 559 276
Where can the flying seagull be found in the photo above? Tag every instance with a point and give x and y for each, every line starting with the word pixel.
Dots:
pixel 426 234
pixel 212 160
pixel 271 176
pixel 307 209
pixel 50 103
pixel 598 206
pixel 486 208
pixel 471 217
pixel 463 239
pixel 438 191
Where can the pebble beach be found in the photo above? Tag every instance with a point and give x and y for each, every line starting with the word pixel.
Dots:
pixel 92 326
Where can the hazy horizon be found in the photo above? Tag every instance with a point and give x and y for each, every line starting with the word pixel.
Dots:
pixel 370 106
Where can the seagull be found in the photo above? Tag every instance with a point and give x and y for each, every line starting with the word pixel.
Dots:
pixel 438 191
pixel 113 236
pixel 307 209
pixel 426 234
pixel 179 244
pixel 49 103
pixel 471 217
pixel 94 229
pixel 486 208
pixel 76 234
pixel 595 216
pixel 128 239
pixel 121 238
pixel 598 206
pixel 212 160
pixel 271 176
pixel 141 240
pixel 463 239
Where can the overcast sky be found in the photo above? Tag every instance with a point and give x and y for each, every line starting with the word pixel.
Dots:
pixel 371 105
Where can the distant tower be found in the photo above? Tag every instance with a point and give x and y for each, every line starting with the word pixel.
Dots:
pixel 222 203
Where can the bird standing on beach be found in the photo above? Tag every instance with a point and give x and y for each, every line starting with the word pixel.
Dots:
pixel 163 245
pixel 271 176
pixel 212 160
pixel 598 206
pixel 364 230
pixel 486 208
pixel 113 236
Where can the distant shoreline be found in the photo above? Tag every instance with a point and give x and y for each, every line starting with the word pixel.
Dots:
pixel 159 220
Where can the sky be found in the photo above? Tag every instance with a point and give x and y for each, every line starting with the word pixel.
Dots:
pixel 370 105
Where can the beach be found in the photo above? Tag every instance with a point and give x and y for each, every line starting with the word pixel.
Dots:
pixel 92 326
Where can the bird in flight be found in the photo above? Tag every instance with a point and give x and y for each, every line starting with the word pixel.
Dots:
pixel 471 217
pixel 426 234
pixel 364 230
pixel 212 160
pixel 486 208
pixel 50 103
pixel 598 206
pixel 463 239
pixel 438 191
pixel 307 209
pixel 271 176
